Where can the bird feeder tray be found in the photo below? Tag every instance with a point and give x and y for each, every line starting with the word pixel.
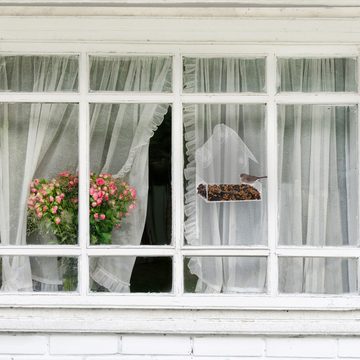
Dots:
pixel 224 193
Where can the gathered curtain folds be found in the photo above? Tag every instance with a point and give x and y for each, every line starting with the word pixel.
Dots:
pixel 40 140
pixel 318 191
pixel 120 136
pixel 35 140
pixel 318 176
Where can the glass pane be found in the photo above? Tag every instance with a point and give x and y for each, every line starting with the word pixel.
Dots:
pixel 125 73
pixel 222 142
pixel 318 175
pixel 317 275
pixel 130 160
pixel 225 274
pixel 124 274
pixel 39 160
pixel 218 75
pixel 39 73
pixel 38 273
pixel 312 75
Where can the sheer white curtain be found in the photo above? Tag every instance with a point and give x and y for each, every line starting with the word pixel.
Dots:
pixel 120 136
pixel 35 140
pixel 318 195
pixel 223 141
pixel 318 181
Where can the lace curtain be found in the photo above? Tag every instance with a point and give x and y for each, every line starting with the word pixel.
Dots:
pixel 40 140
pixel 35 140
pixel 223 141
pixel 318 178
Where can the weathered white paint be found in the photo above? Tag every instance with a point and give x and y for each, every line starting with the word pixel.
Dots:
pixel 171 313
pixel 179 30
pixel 247 3
pixel 125 346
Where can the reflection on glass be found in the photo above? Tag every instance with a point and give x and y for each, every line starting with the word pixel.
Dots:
pixel 222 142
pixel 225 274
pixel 39 160
pixel 218 75
pixel 124 274
pixel 39 73
pixel 317 275
pixel 38 273
pixel 313 75
pixel 318 175
pixel 125 73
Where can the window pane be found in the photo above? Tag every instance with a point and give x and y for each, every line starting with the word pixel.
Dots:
pixel 130 160
pixel 38 273
pixel 318 175
pixel 39 73
pixel 225 274
pixel 223 141
pixel 39 160
pixel 317 275
pixel 217 75
pixel 311 75
pixel 124 274
pixel 124 73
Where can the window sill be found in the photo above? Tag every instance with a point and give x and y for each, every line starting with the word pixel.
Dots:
pixel 176 321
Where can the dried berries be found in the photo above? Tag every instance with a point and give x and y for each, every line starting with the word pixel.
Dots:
pixel 228 192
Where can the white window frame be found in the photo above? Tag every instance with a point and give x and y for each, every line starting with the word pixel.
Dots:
pixel 178 300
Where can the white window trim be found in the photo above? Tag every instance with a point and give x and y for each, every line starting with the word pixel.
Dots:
pixel 227 313
pixel 270 300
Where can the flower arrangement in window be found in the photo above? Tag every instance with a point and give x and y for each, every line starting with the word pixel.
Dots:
pixel 53 207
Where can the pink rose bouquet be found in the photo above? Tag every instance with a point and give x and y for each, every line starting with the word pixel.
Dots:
pixel 53 207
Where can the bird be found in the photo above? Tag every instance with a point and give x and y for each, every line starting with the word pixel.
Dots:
pixel 250 179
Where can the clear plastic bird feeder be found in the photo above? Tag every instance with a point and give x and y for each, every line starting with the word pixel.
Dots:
pixel 219 163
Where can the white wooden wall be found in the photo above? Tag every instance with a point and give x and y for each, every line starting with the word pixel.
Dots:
pixel 305 332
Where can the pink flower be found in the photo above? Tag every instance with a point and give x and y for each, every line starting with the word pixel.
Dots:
pixel 100 181
pixel 99 201
pixel 58 199
pixel 94 204
pixel 36 181
pixel 92 191
pixel 44 208
pixel 96 216
pixel 102 216
pixel 54 209
pixel 39 215
pixel 62 196
pixel 133 192
pixel 51 199
pixel 95 196
pixel 65 174
pixel 132 206
pixel 57 220
pixel 125 192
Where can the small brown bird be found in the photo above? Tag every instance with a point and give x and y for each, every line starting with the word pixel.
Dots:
pixel 250 179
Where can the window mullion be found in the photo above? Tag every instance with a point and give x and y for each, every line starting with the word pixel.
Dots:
pixel 177 177
pixel 84 174
pixel 272 175
pixel 358 151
